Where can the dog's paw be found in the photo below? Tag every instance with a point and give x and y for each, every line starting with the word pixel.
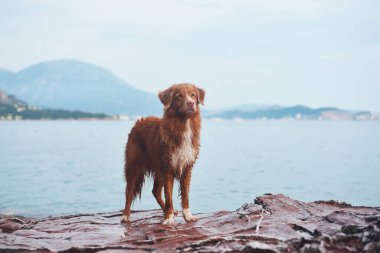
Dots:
pixel 125 219
pixel 186 213
pixel 169 221
pixel 191 218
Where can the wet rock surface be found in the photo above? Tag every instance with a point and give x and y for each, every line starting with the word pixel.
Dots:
pixel 274 223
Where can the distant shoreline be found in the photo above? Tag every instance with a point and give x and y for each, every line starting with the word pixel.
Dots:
pixel 207 119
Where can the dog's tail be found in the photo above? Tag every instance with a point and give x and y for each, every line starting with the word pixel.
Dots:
pixel 135 179
pixel 134 166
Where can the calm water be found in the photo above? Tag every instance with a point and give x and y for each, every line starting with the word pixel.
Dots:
pixel 59 167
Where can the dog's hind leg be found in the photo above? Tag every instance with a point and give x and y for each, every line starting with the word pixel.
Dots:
pixel 157 192
pixel 128 203
pixel 132 190
pixel 134 171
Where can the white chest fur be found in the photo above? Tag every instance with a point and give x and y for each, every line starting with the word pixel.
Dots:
pixel 185 153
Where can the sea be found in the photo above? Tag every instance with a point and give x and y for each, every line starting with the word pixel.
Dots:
pixel 50 168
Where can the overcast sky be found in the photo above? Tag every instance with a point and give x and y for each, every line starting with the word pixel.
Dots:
pixel 317 53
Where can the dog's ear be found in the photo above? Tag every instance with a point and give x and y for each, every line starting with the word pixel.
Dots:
pixel 201 95
pixel 166 97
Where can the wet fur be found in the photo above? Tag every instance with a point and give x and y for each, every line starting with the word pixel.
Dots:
pixel 165 149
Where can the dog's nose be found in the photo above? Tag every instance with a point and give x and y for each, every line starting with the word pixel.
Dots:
pixel 190 103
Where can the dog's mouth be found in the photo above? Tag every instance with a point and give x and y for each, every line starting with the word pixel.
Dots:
pixel 190 111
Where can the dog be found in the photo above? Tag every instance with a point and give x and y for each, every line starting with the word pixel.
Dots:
pixel 166 149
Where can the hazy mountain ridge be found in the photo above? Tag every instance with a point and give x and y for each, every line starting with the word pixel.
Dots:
pixel 292 112
pixel 10 100
pixel 75 85
pixel 12 108
pixel 5 74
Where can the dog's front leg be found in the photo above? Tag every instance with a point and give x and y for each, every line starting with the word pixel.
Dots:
pixel 185 188
pixel 168 188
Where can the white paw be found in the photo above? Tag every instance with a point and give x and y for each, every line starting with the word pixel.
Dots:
pixel 125 219
pixel 186 213
pixel 169 221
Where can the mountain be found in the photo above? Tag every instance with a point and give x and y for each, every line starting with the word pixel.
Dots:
pixel 10 100
pixel 249 107
pixel 5 74
pixel 13 108
pixel 75 85
pixel 291 112
pixel 225 111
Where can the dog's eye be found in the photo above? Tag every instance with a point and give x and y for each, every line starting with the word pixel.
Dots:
pixel 179 95
pixel 193 94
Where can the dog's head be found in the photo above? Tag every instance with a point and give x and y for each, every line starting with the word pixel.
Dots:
pixel 183 99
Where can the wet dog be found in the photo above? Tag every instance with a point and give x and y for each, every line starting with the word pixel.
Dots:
pixel 166 149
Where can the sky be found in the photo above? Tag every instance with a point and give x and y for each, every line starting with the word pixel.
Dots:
pixel 316 53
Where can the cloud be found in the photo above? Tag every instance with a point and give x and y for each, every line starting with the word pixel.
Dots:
pixel 301 47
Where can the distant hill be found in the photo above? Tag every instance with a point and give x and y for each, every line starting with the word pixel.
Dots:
pixel 5 74
pixel 75 85
pixel 291 112
pixel 72 85
pixel 10 100
pixel 12 108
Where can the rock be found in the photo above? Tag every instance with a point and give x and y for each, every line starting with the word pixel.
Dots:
pixel 274 223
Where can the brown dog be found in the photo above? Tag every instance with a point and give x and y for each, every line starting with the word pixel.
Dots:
pixel 166 149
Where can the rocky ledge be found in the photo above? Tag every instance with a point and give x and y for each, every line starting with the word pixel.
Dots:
pixel 273 223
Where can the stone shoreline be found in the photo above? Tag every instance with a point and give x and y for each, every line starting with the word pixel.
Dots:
pixel 273 223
